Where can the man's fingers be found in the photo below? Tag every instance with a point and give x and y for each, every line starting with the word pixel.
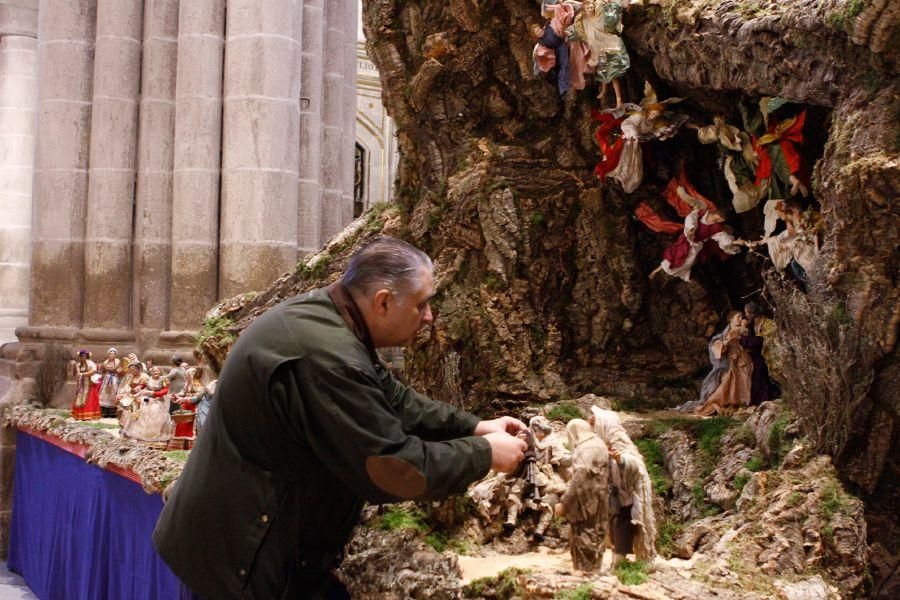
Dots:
pixel 514 425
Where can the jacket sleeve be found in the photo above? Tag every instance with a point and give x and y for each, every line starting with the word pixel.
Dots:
pixel 424 417
pixel 348 421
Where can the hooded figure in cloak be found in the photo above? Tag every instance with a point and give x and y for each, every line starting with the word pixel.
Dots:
pixel 585 503
pixel 633 526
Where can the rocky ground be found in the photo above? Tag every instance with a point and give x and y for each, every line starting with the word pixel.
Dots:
pixel 745 510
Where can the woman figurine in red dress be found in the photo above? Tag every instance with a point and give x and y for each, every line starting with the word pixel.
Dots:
pixel 86 406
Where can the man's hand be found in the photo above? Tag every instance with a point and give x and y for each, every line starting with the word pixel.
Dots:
pixel 507 451
pixel 505 424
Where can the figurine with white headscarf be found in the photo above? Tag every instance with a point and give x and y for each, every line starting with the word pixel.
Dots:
pixel 584 504
pixel 633 525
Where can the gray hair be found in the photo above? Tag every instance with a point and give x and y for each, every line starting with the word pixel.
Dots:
pixel 385 262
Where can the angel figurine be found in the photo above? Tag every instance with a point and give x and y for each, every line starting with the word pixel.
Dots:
pixel 738 161
pixel 777 140
pixel 599 25
pixel 648 121
pixel 703 235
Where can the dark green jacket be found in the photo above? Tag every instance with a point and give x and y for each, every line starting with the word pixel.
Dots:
pixel 306 425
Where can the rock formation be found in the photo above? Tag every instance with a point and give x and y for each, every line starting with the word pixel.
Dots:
pixel 542 286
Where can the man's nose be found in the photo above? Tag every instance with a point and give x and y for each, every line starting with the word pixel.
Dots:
pixel 427 317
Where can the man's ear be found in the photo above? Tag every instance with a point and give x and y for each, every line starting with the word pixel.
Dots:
pixel 380 301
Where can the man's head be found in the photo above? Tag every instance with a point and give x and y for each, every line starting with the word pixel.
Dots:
pixel 392 283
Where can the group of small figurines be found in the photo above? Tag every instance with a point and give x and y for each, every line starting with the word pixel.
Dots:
pixel 762 161
pixel 740 356
pixel 163 410
pixel 598 483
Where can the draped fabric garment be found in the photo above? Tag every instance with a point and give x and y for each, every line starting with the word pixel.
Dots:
pixel 87 394
pixel 585 502
pixel 734 389
pixel 634 479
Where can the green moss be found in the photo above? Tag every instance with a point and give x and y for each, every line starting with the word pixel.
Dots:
pixel 440 541
pixel 755 464
pixel 504 586
pixel 218 329
pixel 744 435
pixel 668 532
pixel 653 457
pixel 316 270
pixel 178 455
pixel 698 499
pixel 582 592
pixel 564 411
pixel 794 499
pixel 632 572
pixel 843 20
pixel 832 502
pixel 740 480
pixel 398 517
pixel 778 443
pixel 538 219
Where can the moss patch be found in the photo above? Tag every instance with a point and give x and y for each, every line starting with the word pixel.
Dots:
pixel 178 455
pixel 632 573
pixel 564 411
pixel 653 457
pixel 504 586
pixel 582 592
pixel 399 517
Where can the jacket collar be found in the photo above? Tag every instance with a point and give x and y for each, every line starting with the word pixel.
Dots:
pixel 349 311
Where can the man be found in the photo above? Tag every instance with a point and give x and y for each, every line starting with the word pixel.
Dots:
pixel 307 424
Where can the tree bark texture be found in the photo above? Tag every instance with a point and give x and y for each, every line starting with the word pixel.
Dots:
pixel 542 286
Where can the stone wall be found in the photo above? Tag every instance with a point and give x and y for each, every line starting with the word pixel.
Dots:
pixel 185 152
pixel 18 71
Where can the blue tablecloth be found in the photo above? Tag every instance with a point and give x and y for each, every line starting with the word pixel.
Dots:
pixel 79 532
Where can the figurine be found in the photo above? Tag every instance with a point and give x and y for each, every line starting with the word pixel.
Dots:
pixel 152 422
pixel 681 195
pixel 551 52
pixel 704 237
pixel 797 247
pixel 777 141
pixel 738 161
pixel 758 343
pixel 584 503
pixel 651 121
pixel 546 453
pixel 185 415
pixel 110 371
pixel 134 382
pixel 86 406
pixel 599 24
pixel 204 403
pixel 632 522
pixel 733 391
pixel 177 375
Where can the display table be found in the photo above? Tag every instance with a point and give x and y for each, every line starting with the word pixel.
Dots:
pixel 81 532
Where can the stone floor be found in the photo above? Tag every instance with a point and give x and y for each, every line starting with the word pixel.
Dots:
pixel 12 587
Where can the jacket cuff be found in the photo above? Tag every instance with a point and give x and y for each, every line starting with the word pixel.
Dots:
pixel 483 456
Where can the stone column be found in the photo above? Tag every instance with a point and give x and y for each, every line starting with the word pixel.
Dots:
pixel 349 128
pixel 117 77
pixel 333 118
pixel 198 146
pixel 153 210
pixel 18 90
pixel 310 222
pixel 261 144
pixel 66 66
